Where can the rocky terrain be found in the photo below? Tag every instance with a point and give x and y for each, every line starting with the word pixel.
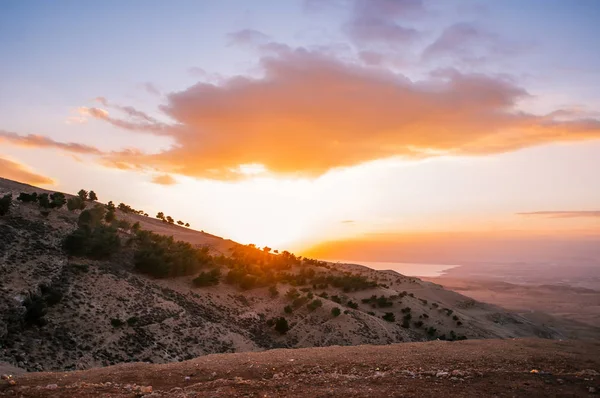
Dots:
pixel 90 313
pixel 475 368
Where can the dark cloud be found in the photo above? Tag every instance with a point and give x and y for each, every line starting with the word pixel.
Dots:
pixel 470 44
pixel 151 88
pixel 377 21
pixel 247 37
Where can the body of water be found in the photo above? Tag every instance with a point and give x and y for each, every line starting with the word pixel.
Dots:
pixel 408 269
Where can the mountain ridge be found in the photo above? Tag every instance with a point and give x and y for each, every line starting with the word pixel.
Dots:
pixel 108 312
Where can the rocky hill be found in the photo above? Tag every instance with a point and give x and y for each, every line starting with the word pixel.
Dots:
pixel 144 302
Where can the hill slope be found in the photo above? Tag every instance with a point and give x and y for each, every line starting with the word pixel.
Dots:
pixel 90 313
pixel 481 368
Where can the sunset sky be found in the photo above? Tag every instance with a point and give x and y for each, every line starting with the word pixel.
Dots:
pixel 293 123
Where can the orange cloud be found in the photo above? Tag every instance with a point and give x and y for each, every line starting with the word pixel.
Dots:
pixel 311 113
pixel 562 214
pixel 164 179
pixel 19 172
pixel 39 141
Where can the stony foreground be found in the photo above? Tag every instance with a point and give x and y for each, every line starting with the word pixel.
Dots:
pixel 483 368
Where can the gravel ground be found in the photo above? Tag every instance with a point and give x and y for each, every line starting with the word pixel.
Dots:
pixel 482 368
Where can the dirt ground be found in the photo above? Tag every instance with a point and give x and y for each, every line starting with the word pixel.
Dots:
pixel 482 368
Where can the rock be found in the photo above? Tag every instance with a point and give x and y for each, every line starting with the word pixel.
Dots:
pixel 587 372
pixel 187 378
pixel 51 386
pixel 457 373
pixel 5 377
pixel 12 382
pixel 441 374
pixel 145 389
pixel 592 390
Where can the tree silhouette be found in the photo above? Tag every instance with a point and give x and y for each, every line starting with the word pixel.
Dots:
pixel 187 224
pixel 170 220
pixel 180 222
pixel 5 204
pixel 160 215
pixel 83 194
pixel 92 195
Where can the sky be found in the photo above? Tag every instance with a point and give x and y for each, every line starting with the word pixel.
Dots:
pixel 314 125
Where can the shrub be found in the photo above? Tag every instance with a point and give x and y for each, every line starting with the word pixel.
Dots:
pixel 123 224
pixel 44 201
pixel 162 256
pixel 281 325
pixel 51 295
pixel 389 316
pixel 35 310
pixel 406 310
pixel 136 227
pixel 170 220
pixel 133 320
pixel 83 194
pixel 407 317
pixel 418 324
pixel 45 213
pixel 431 331
pixel 313 305
pixel 371 313
pixel 58 200
pixel 210 278
pixel 288 309
pixel 116 322
pixel 336 299
pixel 455 318
pixel 98 243
pixel 405 324
pixel 187 224
pixel 352 304
pixel 27 198
pixel 335 311
pixel 299 302
pixel 248 282
pixel 109 217
pixel 273 291
pixel 459 323
pixel 179 222
pixel 92 196
pixel 110 206
pixel 91 218
pixel 75 203
pixel 292 294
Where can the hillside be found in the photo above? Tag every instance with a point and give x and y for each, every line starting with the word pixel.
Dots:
pixel 62 312
pixel 477 368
